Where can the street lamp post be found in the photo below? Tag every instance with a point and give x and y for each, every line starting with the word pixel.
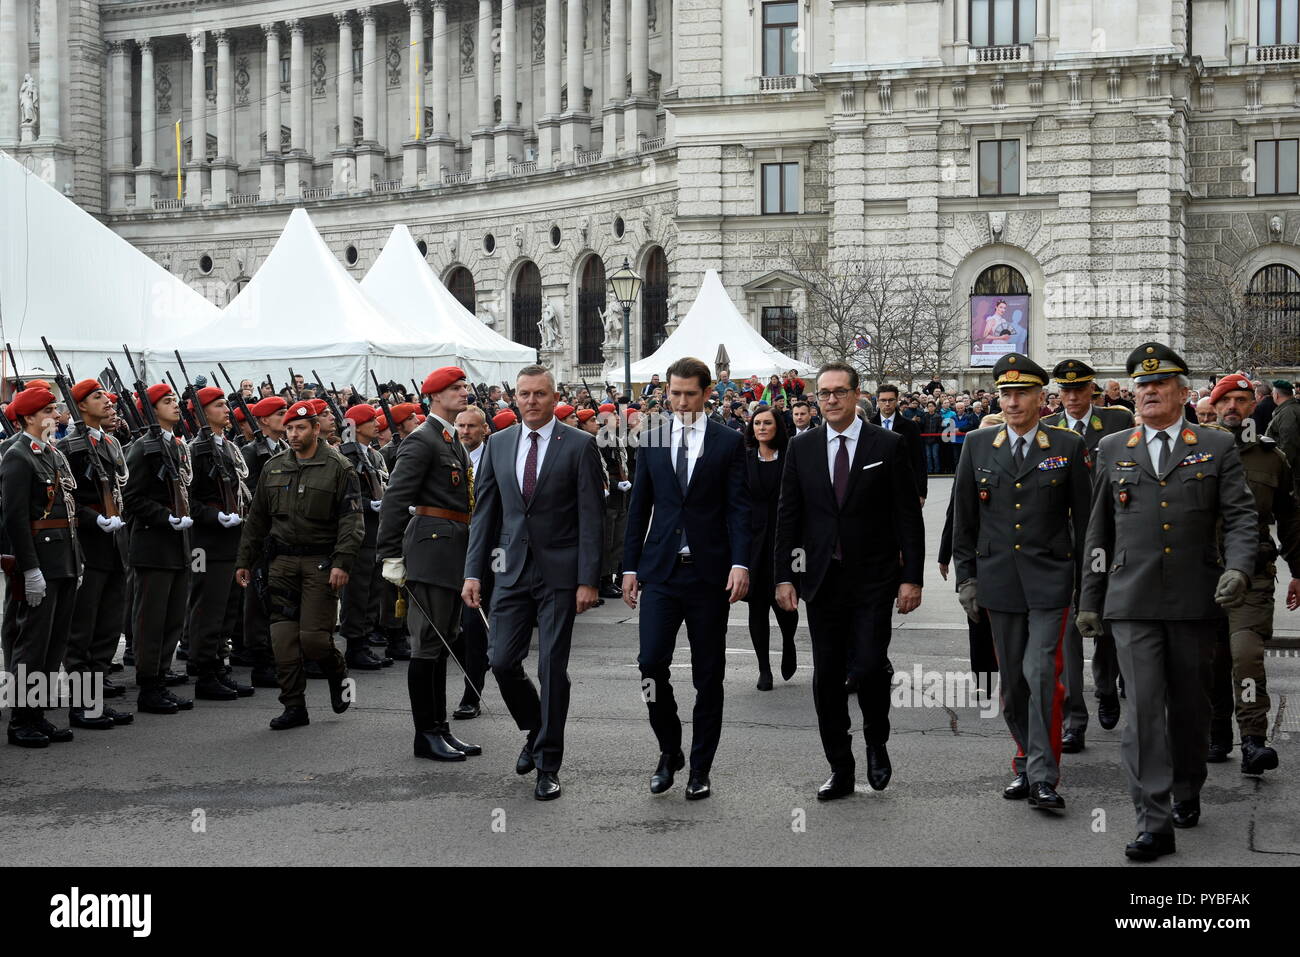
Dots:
pixel 627 286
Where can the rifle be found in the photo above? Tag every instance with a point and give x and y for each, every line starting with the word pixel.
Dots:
pixel 388 413
pixel 14 362
pixel 226 483
pixel 125 408
pixel 187 424
pixel 241 403
pixel 180 504
pixel 95 470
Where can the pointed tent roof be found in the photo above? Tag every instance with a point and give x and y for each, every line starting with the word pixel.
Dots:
pixel 714 320
pixel 66 276
pixel 401 283
pixel 301 309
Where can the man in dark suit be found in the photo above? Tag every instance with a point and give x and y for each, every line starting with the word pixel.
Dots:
pixel 537 523
pixel 891 420
pixel 849 513
pixel 691 558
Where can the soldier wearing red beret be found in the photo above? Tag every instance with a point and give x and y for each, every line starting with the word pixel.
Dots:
pixel 392 628
pixel 503 420
pixel 38 515
pixel 359 614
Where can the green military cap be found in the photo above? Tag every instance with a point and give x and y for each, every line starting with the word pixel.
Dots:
pixel 1153 361
pixel 1016 371
pixel 1283 385
pixel 1069 373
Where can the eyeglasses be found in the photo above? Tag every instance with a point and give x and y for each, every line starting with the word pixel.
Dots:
pixel 840 394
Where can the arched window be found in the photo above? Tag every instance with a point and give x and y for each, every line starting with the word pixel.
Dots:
pixel 1274 297
pixel 526 306
pixel 654 302
pixel 460 283
pixel 1000 280
pixel 591 300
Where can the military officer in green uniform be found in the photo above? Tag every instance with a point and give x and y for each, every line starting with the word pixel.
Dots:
pixel 306 514
pixel 1077 381
pixel 1154 571
pixel 1020 510
pixel 1284 426
pixel 1239 662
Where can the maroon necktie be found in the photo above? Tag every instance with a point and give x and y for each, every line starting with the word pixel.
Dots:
pixel 841 481
pixel 530 469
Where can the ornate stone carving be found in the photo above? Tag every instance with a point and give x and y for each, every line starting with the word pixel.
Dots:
pixel 467 48
pixel 539 32
pixel 162 87
pixel 241 81
pixel 549 327
pixel 393 59
pixel 318 71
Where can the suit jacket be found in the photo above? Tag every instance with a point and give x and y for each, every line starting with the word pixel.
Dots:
pixel 431 469
pixel 878 525
pixel 911 432
pixel 1154 535
pixel 1018 531
pixel 560 528
pixel 714 514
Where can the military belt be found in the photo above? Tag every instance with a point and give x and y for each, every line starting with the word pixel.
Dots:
pixel 431 512
pixel 50 523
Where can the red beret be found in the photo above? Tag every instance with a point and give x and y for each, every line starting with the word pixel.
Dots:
pixel 440 379
pixel 268 406
pixel 382 422
pixel 562 412
pixel 239 414
pixel 208 395
pixel 37 384
pixel 503 420
pixel 84 388
pixel 10 414
pixel 1231 383
pixel 585 414
pixel 156 393
pixel 112 397
pixel 319 405
pixel 607 407
pixel 300 410
pixel 359 414
pixel 420 417
pixel 403 411
pixel 31 400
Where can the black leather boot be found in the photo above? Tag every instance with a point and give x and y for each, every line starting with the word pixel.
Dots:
pixel 420 686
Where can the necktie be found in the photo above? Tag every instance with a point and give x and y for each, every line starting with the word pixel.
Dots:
pixel 530 469
pixel 1164 451
pixel 888 424
pixel 1078 426
pixel 682 475
pixel 1018 456
pixel 841 470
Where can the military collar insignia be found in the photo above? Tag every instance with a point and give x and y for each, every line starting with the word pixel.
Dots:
pixel 36 447
pixel 1189 437
pixel 446 437
pixel 999 438
pixel 1135 438
pixel 1095 422
pixel 1043 441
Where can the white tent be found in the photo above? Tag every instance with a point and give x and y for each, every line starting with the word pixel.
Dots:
pixel 714 320
pixel 66 276
pixel 401 284
pixel 302 310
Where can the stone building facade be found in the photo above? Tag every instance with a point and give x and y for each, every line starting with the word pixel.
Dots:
pixel 1080 152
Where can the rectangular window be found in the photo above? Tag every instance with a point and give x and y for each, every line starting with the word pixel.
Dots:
pixel 210 77
pixel 781 328
pixel 286 73
pixel 1001 22
pixel 1276 167
pixel 999 168
pixel 780 187
pixel 780 27
pixel 1279 22
pixel 358 64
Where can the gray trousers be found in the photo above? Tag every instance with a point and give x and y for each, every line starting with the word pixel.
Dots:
pixel 445 605
pixel 1167 669
pixel 1105 673
pixel 1029 648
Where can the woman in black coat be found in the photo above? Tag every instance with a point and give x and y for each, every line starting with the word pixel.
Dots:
pixel 766 439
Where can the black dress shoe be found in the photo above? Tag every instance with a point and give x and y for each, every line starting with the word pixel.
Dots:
pixel 1108 711
pixel 26 736
pixel 112 690
pixel 1256 756
pixel 525 763
pixel 337 701
pixel 115 666
pixel 662 779
pixel 764 681
pixel 839 784
pixel 465 711
pixel 697 786
pixel 1187 813
pixel 209 688
pixel 385 662
pixel 263 676
pixel 377 641
pixel 1044 797
pixel 77 718
pixel 431 745
pixel 548 786
pixel 155 701
pixel 294 716
pixel 879 770
pixel 472 750
pixel 227 678
pixel 182 704
pixel 1072 741
pixel 399 649
pixel 789 662
pixel 1018 789
pixel 611 591
pixel 119 717
pixel 363 659
pixel 56 735
pixel 173 678
pixel 1149 846
pixel 1218 752
pixel 851 684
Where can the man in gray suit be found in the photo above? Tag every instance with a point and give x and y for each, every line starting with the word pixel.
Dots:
pixel 1020 510
pixel 537 524
pixel 1154 573
pixel 1077 380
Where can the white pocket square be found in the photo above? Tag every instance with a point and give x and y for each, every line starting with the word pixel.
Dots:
pixel 872 465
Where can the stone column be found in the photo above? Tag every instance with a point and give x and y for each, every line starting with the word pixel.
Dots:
pixel 548 126
pixel 147 181
pixel 119 123
pixel 225 171
pixel 639 110
pixel 370 155
pixel 509 134
pixel 575 122
pixel 613 109
pixel 198 164
pixel 345 170
pixel 1040 30
pixel 50 83
pixel 1238 33
pixel 297 167
pixel 481 135
pixel 9 78
pixel 669 81
pixel 272 162
pixel 412 144
pixel 961 43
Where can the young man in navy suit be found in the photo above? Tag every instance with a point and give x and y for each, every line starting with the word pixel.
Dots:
pixel 689 559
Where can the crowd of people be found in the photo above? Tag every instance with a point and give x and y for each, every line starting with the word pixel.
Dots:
pixel 446 522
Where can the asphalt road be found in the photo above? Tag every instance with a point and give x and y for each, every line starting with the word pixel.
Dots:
pixel 216 786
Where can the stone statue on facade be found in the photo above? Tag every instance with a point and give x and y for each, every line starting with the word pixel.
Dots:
pixel 28 107
pixel 549 327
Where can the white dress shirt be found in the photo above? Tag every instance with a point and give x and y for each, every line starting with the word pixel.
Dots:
pixel 1153 444
pixel 1073 423
pixel 833 444
pixel 521 454
pixel 1029 437
pixel 887 423
pixel 476 453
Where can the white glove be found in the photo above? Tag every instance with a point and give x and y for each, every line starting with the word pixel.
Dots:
pixel 228 519
pixel 625 486
pixel 394 571
pixel 180 524
pixel 34 586
pixel 410 509
pixel 606 493
pixel 109 523
pixel 376 504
